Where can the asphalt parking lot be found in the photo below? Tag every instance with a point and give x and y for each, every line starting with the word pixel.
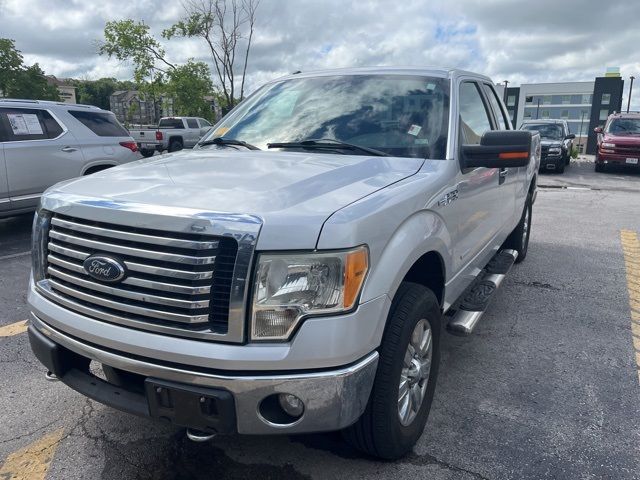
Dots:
pixel 547 387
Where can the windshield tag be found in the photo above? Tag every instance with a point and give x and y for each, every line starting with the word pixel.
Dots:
pixel 414 130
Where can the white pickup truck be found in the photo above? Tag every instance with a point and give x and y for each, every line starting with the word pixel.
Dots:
pixel 172 134
pixel 296 271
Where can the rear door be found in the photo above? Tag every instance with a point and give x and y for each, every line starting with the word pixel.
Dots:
pixel 39 152
pixel 193 132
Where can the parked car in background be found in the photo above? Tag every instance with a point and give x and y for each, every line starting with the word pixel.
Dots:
pixel 619 141
pixel 172 134
pixel 43 143
pixel 557 142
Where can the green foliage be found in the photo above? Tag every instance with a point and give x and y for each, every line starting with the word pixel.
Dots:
pixel 574 152
pixel 22 81
pixel 128 40
pixel 97 92
pixel 188 84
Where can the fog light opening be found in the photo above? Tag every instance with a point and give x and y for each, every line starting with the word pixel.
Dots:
pixel 281 409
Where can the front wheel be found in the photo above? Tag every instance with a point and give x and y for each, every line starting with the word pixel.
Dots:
pixel 518 240
pixel 405 382
pixel 147 152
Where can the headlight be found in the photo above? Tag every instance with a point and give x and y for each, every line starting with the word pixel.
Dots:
pixel 608 145
pixel 289 287
pixel 41 222
pixel 555 151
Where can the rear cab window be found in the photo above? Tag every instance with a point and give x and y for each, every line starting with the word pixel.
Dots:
pixel 171 123
pixel 103 124
pixel 24 124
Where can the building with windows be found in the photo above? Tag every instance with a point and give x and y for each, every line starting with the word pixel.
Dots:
pixel 584 105
pixel 65 87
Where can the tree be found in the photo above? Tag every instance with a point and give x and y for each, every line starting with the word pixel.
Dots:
pixel 223 24
pixel 97 92
pixel 20 81
pixel 188 84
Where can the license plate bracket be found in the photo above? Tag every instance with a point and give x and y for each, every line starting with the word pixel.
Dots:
pixel 208 409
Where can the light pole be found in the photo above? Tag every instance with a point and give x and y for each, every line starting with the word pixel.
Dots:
pixel 580 141
pixel 630 90
pixel 506 84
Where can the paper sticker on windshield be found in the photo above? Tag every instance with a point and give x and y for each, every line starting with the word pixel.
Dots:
pixel 220 132
pixel 24 124
pixel 414 130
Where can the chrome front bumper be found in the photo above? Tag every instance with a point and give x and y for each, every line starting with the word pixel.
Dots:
pixel 333 398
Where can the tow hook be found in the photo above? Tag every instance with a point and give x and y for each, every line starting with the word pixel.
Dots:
pixel 199 435
pixel 51 376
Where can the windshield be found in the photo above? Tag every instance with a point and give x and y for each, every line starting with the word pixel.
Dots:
pixel 624 126
pixel 547 131
pixel 405 116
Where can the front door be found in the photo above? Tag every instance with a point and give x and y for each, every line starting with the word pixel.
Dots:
pixel 4 186
pixel 481 200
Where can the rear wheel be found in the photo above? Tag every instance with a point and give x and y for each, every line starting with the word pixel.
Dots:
pixel 405 382
pixel 175 145
pixel 518 240
pixel 147 152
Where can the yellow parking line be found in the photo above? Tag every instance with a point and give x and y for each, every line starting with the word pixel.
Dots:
pixel 631 250
pixel 31 462
pixel 13 329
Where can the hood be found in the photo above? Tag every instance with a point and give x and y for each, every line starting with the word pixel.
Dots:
pixel 293 193
pixel 622 139
pixel 551 143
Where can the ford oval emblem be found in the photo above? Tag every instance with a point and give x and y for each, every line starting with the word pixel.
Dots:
pixel 104 269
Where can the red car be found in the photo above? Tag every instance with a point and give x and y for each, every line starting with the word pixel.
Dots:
pixel 619 141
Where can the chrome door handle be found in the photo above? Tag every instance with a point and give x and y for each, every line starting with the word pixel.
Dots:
pixel 69 149
pixel 503 173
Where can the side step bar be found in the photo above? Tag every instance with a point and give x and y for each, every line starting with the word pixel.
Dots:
pixel 467 314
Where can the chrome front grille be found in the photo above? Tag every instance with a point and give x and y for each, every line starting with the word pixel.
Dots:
pixel 177 283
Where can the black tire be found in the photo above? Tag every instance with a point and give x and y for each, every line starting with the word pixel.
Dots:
pixel 175 144
pixel 379 431
pixel 147 152
pixel 518 240
pixel 560 167
pixel 599 167
pixel 99 168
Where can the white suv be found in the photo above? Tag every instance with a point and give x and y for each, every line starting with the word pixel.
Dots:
pixel 43 143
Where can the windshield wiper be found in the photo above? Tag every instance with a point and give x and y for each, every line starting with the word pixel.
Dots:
pixel 227 141
pixel 327 143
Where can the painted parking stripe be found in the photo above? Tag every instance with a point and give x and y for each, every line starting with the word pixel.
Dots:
pixel 32 462
pixel 631 250
pixel 15 255
pixel 13 329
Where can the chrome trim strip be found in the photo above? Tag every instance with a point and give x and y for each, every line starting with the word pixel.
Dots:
pixel 333 399
pixel 137 267
pixel 134 281
pixel 54 297
pixel 26 197
pixel 123 307
pixel 136 237
pixel 137 252
pixel 118 292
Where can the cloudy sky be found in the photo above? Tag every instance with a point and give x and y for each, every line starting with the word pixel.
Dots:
pixel 522 41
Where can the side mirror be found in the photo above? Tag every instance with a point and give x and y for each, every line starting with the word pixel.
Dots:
pixel 499 149
pixel 598 130
pixel 571 136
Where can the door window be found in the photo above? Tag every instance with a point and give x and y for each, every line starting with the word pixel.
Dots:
pixel 474 120
pixel 192 123
pixel 204 123
pixel 22 124
pixel 102 124
pixel 497 108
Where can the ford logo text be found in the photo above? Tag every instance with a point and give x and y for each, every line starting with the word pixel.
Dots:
pixel 104 269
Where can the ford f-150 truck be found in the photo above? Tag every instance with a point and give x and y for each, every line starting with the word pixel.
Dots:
pixel 296 271
pixel 172 134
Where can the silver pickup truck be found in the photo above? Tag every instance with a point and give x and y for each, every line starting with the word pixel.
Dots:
pixel 296 271
pixel 172 134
